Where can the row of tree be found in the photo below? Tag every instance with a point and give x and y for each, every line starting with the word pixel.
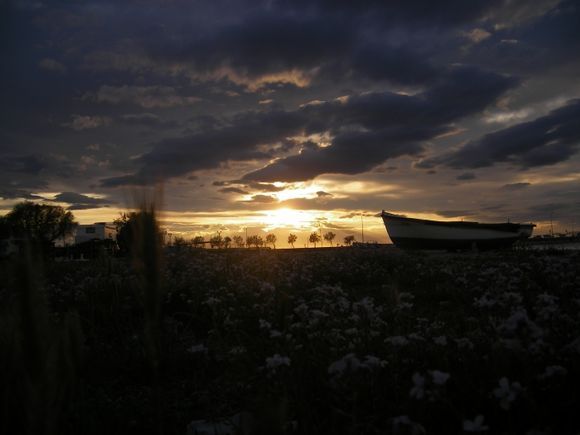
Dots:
pixel 46 223
pixel 217 241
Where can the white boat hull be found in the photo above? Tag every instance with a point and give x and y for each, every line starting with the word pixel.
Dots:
pixel 426 234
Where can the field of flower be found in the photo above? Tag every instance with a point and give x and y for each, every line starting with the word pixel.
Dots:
pixel 341 340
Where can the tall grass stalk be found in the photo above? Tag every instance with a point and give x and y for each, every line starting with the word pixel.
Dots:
pixel 40 354
pixel 147 263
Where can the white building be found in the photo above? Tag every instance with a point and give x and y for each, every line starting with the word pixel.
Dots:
pixel 96 231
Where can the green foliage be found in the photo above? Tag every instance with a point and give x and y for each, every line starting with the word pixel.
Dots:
pixel 41 223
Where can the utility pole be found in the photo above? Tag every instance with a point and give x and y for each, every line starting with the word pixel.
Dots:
pixel 246 237
pixel 551 224
pixel 362 228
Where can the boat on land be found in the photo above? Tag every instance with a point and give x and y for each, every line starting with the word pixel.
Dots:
pixel 411 233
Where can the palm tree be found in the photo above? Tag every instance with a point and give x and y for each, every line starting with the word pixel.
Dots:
pixel 271 238
pixel 314 238
pixel 291 239
pixel 329 237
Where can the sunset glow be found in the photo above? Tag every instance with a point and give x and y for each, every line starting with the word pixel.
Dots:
pixel 279 115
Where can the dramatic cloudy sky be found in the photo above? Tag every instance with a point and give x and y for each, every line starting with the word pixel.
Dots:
pixel 282 115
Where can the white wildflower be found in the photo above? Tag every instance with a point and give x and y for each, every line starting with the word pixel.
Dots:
pixel 404 306
pixel 418 390
pixel 351 331
pixel 348 362
pixel 476 425
pixel 397 340
pixel 484 301
pixel 212 301
pixel 551 371
pixel 198 348
pixel 464 343
pixel 267 287
pixel 264 324
pixel 441 340
pixel 372 362
pixel 519 318
pixel 237 350
pixel 439 378
pixel 276 361
pixel 403 424
pixel 506 393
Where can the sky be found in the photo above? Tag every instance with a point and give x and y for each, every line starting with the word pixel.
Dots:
pixel 293 115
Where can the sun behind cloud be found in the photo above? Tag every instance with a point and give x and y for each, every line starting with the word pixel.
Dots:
pixel 288 218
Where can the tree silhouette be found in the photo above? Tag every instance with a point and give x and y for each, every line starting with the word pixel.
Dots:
pixel 227 241
pixel 216 241
pixel 198 241
pixel 271 238
pixel 314 238
pixel 292 239
pixel 42 223
pixel 329 237
pixel 252 241
pixel 239 241
pixel 131 228
pixel 349 240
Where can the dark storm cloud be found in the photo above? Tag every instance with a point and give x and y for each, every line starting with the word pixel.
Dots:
pixel 147 120
pixel 208 149
pixel 409 13
pixel 92 66
pixel 30 173
pixel 322 46
pixel 8 193
pixel 367 128
pixel 263 187
pixel 466 176
pixel 351 153
pixel 515 186
pixel 262 44
pixel 77 199
pixel 394 125
pixel 547 140
pixel 25 164
pixel 233 190
pixel 264 199
pixel 455 213
pixel 550 40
